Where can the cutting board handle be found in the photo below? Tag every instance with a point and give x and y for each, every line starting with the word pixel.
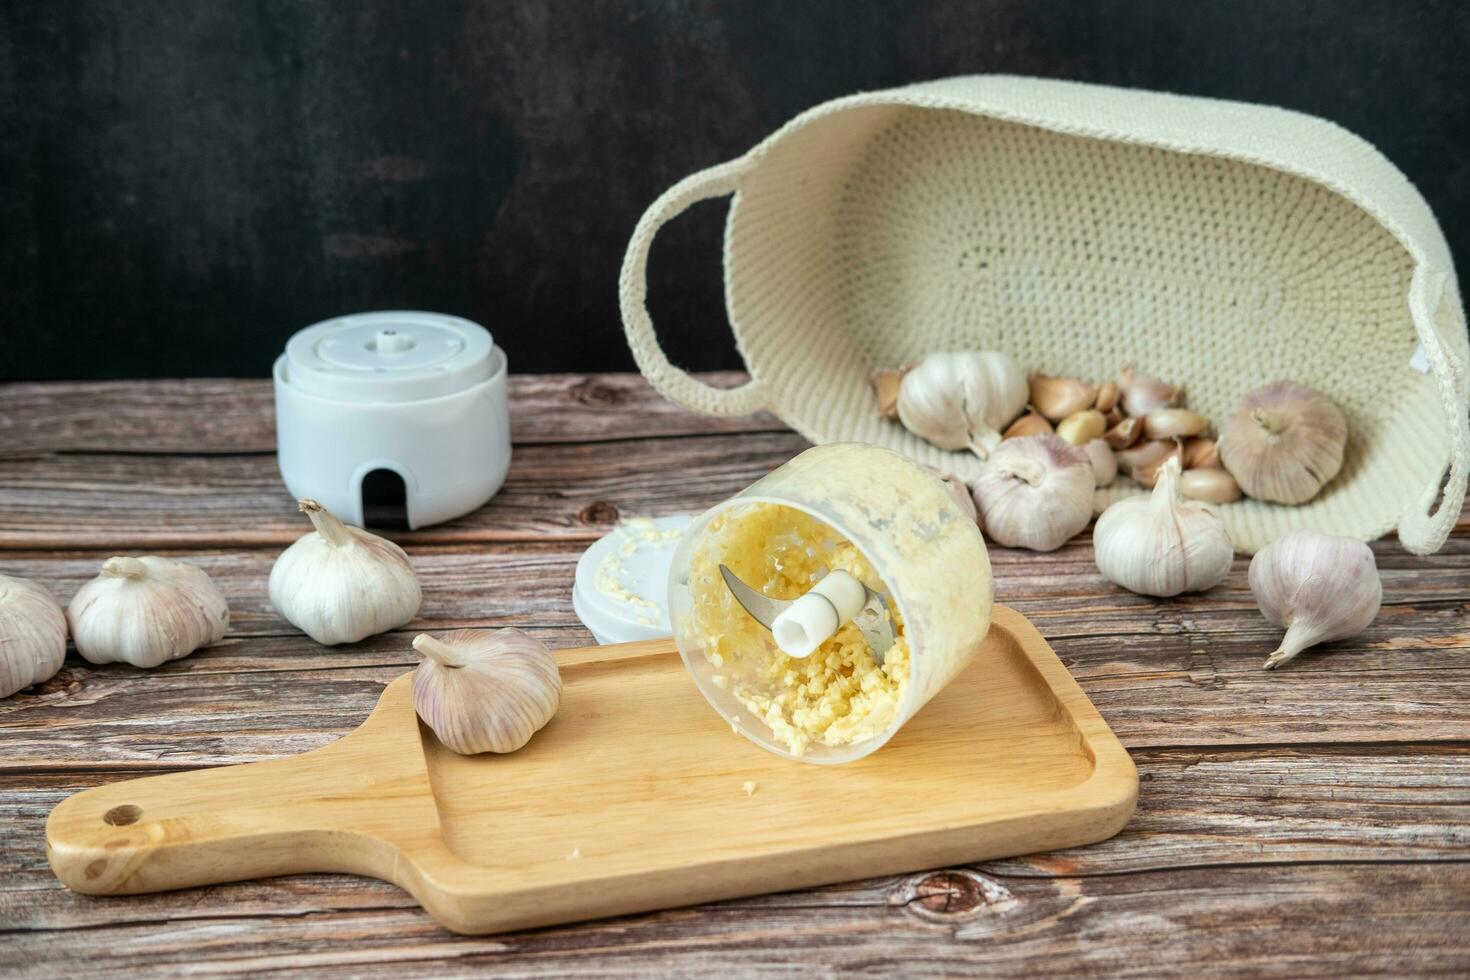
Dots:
pixel 331 809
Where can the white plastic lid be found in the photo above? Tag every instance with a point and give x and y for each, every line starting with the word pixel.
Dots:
pixel 389 356
pixel 621 592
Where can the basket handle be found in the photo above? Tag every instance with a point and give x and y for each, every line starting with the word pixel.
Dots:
pixel 672 382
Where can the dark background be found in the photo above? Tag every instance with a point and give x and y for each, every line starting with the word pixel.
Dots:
pixel 187 183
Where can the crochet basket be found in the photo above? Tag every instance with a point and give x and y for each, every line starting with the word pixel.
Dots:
pixel 1082 228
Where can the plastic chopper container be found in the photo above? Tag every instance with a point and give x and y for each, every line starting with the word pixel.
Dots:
pixel 929 556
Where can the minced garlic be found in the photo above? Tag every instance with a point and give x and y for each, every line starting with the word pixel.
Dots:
pixel 633 533
pixel 837 696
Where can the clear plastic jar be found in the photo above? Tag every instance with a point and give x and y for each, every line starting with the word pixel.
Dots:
pixel 926 557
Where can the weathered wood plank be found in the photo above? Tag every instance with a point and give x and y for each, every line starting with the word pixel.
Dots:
pixel 1324 920
pixel 236 415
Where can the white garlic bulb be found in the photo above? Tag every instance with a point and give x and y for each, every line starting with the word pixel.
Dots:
pixel 962 400
pixel 1319 587
pixel 340 584
pixel 484 691
pixel 145 611
pixel 1035 492
pixel 32 635
pixel 1162 545
pixel 1283 442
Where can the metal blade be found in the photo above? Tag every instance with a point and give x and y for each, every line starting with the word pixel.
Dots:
pixel 762 608
pixel 876 625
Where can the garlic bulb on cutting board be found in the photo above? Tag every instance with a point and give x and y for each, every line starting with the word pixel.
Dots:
pixel 1319 587
pixel 32 635
pixel 962 400
pixel 1162 545
pixel 484 691
pixel 340 584
pixel 146 611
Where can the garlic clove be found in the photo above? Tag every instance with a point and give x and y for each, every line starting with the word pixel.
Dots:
pixel 1144 455
pixel 1107 397
pixel 1162 545
pixel 146 611
pixel 341 584
pixel 1142 394
pixel 1082 427
pixel 1210 484
pixel 1033 423
pixel 1057 398
pixel 1199 453
pixel 885 389
pixel 485 691
pixel 1174 423
pixel 1124 433
pixel 1104 462
pixel 1146 474
pixel 32 635
pixel 1035 492
pixel 1318 587
pixel 1284 442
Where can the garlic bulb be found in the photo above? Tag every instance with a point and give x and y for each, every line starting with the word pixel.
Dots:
pixel 1283 442
pixel 32 635
pixel 340 584
pixel 1142 394
pixel 1162 545
pixel 1104 462
pixel 484 691
pixel 1318 586
pixel 1035 492
pixel 962 400
pixel 145 611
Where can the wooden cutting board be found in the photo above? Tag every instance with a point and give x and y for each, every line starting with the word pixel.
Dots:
pixel 632 798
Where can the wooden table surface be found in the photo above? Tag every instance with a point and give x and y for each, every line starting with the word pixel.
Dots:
pixel 1310 821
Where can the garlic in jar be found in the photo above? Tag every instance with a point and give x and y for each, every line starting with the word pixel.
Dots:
pixel 1143 394
pixel 32 635
pixel 962 400
pixel 484 691
pixel 145 611
pixel 1035 492
pixel 340 584
pixel 1283 442
pixel 1319 587
pixel 1161 545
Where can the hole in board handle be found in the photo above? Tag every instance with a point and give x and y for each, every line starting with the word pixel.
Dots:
pixel 121 816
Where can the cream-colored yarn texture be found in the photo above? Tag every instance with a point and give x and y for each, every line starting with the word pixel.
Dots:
pixel 1083 228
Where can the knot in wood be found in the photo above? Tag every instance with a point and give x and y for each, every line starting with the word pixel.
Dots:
pixel 598 393
pixel 945 895
pixel 598 512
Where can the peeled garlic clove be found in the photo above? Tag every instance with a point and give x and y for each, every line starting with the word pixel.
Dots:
pixel 962 400
pixel 1173 423
pixel 1057 398
pixel 1318 587
pixel 32 635
pixel 1107 397
pixel 1104 462
pixel 885 389
pixel 1143 394
pixel 1199 453
pixel 1033 423
pixel 1146 474
pixel 1144 455
pixel 1162 545
pixel 1081 428
pixel 1284 442
pixel 1209 484
pixel 1035 492
pixel 483 690
pixel 340 584
pixel 1124 433
pixel 145 611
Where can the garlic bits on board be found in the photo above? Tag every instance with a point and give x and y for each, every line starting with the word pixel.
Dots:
pixel 340 584
pixel 1162 545
pixel 962 400
pixel 1035 492
pixel 484 690
pixel 145 611
pixel 1283 442
pixel 32 634
pixel 1319 587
